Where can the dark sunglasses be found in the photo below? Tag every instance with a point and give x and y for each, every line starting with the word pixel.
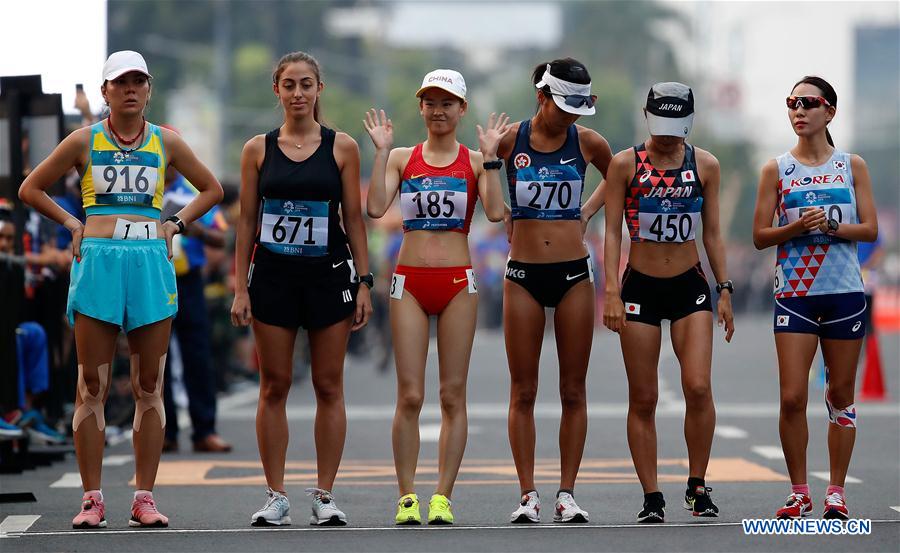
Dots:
pixel 577 100
pixel 806 102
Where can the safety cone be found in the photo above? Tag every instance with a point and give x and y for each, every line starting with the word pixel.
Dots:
pixel 873 378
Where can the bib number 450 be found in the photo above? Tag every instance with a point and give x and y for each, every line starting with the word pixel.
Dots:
pixel 673 227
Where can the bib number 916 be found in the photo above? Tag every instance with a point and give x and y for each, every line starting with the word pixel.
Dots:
pixel 120 179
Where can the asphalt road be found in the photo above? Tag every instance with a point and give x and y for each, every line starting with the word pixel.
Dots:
pixel 209 498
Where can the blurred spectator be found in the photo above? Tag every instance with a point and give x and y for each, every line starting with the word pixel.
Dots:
pixel 191 326
pixel 491 253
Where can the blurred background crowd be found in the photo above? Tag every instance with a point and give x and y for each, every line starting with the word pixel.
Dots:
pixel 212 63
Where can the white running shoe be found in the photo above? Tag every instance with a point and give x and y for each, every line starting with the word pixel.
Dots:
pixel 324 511
pixel 274 512
pixel 529 510
pixel 567 510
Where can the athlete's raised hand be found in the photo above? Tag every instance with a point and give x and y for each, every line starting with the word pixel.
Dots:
pixel 489 138
pixel 726 316
pixel 380 129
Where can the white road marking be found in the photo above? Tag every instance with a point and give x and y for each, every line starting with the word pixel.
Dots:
pixel 826 476
pixel 769 451
pixel 896 508
pixel 17 523
pixel 117 460
pixel 68 480
pixel 730 432
pixel 424 528
pixel 432 432
pixel 550 410
pixel 124 437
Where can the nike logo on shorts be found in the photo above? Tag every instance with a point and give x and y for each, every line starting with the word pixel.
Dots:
pixel 458 280
pixel 336 265
pixel 566 161
pixel 701 299
pixel 569 277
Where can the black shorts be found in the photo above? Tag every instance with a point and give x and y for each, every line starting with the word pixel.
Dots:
pixel 548 282
pixel 650 299
pixel 312 293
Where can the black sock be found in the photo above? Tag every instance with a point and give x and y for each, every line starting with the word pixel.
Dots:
pixel 561 490
pixel 694 482
pixel 654 498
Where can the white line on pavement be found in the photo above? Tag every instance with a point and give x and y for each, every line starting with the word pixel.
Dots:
pixel 730 432
pixel 117 460
pixel 507 527
pixel 17 523
pixel 432 432
pixel 549 410
pixel 896 508
pixel 68 480
pixel 826 476
pixel 769 451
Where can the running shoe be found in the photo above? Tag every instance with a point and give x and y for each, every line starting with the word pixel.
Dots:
pixel 797 505
pixel 274 512
pixel 408 510
pixel 324 511
pixel 9 431
pixel 529 509
pixel 654 511
pixel 567 510
pixel 699 502
pixel 439 510
pixel 145 514
pixel 835 507
pixel 93 512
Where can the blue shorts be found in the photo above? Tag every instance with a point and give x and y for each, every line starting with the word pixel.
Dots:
pixel 830 316
pixel 130 283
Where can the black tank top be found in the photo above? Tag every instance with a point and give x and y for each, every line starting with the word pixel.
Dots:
pixel 315 179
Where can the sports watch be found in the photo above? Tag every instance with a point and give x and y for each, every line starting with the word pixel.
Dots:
pixel 833 225
pixel 368 280
pixel 178 222
pixel 496 164
pixel 727 285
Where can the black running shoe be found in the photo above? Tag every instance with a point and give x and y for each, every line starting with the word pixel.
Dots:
pixel 654 511
pixel 699 502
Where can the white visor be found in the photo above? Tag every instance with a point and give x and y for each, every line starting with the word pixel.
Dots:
pixel 559 89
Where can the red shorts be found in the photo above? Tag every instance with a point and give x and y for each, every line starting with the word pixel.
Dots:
pixel 432 287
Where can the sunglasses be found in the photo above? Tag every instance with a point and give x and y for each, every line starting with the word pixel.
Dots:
pixel 577 100
pixel 806 102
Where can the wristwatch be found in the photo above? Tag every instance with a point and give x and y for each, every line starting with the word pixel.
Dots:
pixel 496 164
pixel 727 285
pixel 833 225
pixel 368 280
pixel 178 222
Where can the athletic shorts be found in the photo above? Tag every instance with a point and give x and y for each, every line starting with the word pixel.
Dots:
pixel 548 282
pixel 830 316
pixel 651 299
pixel 432 287
pixel 130 283
pixel 311 294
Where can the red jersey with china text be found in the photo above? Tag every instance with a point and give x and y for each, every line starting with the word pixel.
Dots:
pixel 438 198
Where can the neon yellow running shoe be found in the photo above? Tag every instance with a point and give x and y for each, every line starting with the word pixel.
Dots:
pixel 408 510
pixel 439 510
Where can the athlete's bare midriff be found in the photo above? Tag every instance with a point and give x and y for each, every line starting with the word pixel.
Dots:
pixel 434 248
pixel 103 226
pixel 535 241
pixel 663 260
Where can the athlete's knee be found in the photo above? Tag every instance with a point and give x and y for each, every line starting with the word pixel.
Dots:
pixel 523 397
pixel 410 401
pixel 91 388
pixel 148 395
pixel 841 416
pixel 274 389
pixel 643 403
pixel 573 396
pixel 328 391
pixel 697 393
pixel 793 403
pixel 453 398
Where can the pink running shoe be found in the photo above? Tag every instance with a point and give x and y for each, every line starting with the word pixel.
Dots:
pixel 144 513
pixel 92 513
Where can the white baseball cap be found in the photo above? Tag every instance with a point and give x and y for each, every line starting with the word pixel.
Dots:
pixel 670 109
pixel 445 79
pixel 124 61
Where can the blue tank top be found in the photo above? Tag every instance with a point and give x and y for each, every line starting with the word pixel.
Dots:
pixel 545 185
pixel 815 263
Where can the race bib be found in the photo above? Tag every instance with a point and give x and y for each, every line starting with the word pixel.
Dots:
pixel 434 203
pixel 134 230
pixel 550 193
pixel 671 220
pixel 397 282
pixel 124 178
pixel 295 227
pixel 779 279
pixel 837 203
pixel 470 277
